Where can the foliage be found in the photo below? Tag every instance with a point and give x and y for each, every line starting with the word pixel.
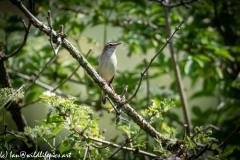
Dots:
pixel 6 94
pixel 207 48
pixel 63 114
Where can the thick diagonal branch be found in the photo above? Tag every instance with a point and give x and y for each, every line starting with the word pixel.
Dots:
pixel 171 145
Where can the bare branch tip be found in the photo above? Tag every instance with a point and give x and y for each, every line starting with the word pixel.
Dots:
pixel 126 88
pixel 24 24
pixel 90 50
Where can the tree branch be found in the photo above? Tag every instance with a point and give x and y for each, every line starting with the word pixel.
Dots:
pixel 41 84
pixel 204 129
pixel 86 153
pixel 204 149
pixel 146 69
pixel 181 3
pixel 14 108
pixel 127 140
pixel 234 132
pixel 27 28
pixel 11 97
pixel 70 74
pixel 178 77
pixel 41 71
pixel 147 84
pixel 125 148
pixel 168 143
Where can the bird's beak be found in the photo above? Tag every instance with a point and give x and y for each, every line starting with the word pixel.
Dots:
pixel 116 44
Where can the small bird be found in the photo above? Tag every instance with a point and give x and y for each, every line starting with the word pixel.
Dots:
pixel 107 65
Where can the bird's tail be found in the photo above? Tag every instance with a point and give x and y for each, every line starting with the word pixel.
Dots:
pixel 103 98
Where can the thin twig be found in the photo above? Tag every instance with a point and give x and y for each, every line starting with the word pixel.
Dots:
pixel 124 22
pixel 49 19
pixel 127 140
pixel 119 117
pixel 30 103
pixel 185 131
pixel 43 85
pixel 147 84
pixel 148 95
pixel 204 129
pixel 123 93
pixel 86 152
pixel 54 50
pixel 11 133
pixel 89 156
pixel 12 96
pixel 135 93
pixel 137 118
pixel 70 74
pixel 171 117
pixel 100 147
pixel 55 53
pixel 55 89
pixel 234 132
pixel 27 29
pixel 206 147
pixel 182 3
pixel 177 75
pixel 44 67
pixel 144 72
pixel 115 109
pixel 165 44
pixel 125 148
pixel 194 156
pixel 76 81
pixel 66 8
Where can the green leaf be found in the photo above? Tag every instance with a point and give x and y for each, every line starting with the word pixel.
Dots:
pixel 202 93
pixel 55 119
pixel 199 61
pixel 43 122
pixel 196 111
pixel 219 72
pixel 55 132
pixel 30 96
pixel 188 66
pixel 223 53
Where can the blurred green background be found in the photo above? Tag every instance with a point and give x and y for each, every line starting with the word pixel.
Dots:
pixel 207 48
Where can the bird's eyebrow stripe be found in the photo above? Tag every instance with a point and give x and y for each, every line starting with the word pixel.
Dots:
pixel 109 43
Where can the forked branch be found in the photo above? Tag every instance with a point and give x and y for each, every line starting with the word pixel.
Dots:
pixel 149 64
pixel 126 108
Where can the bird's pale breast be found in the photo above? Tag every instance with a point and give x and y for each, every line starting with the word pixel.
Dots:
pixel 107 67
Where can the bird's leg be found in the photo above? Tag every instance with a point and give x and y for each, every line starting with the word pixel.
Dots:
pixel 110 85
